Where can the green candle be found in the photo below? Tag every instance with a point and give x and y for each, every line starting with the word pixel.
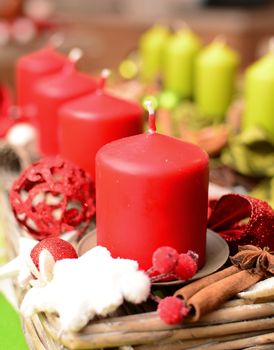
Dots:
pixel 151 50
pixel 259 94
pixel 181 51
pixel 215 76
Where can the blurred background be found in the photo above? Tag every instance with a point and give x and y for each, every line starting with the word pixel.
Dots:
pixel 228 106
pixel 108 30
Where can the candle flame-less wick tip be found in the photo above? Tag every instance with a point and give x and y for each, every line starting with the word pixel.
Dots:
pixel 105 73
pixel 149 106
pixel 75 54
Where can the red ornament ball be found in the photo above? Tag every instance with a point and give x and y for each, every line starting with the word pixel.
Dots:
pixel 172 310
pixel 58 248
pixel 164 259
pixel 53 196
pixel 186 267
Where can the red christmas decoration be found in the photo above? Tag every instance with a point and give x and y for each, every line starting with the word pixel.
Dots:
pixel 53 196
pixel 172 310
pixel 168 264
pixel 186 267
pixel 57 247
pixel 242 220
pixel 164 259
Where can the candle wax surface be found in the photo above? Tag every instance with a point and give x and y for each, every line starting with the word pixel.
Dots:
pixel 180 55
pixel 152 191
pixel 51 94
pixel 92 121
pixel 31 68
pixel 151 49
pixel 259 95
pixel 215 76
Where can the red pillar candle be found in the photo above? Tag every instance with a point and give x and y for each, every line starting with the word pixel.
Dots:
pixel 152 191
pixel 29 70
pixel 50 94
pixel 94 120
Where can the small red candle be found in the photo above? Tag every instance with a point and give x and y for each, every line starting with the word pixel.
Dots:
pixel 152 191
pixel 94 120
pixel 29 70
pixel 50 94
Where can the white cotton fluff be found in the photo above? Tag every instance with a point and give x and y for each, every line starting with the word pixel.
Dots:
pixel 21 134
pixel 93 284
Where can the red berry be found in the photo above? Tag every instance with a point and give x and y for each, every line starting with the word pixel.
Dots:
pixel 186 267
pixel 172 310
pixel 58 248
pixel 164 259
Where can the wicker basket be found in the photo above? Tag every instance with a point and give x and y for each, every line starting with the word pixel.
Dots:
pixel 238 324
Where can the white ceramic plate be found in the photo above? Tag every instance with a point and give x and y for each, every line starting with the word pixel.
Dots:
pixel 217 252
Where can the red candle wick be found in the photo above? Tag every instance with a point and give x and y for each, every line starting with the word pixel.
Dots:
pixel 104 76
pixel 151 117
pixel 73 57
pixel 75 54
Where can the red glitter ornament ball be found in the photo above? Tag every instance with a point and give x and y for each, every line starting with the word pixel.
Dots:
pixel 53 196
pixel 164 259
pixel 186 267
pixel 58 248
pixel 172 310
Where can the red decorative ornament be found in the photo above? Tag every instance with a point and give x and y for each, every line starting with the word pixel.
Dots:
pixel 164 259
pixel 168 264
pixel 242 220
pixel 57 247
pixel 172 310
pixel 186 267
pixel 53 196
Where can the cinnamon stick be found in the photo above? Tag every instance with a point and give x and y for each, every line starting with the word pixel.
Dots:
pixel 212 296
pixel 189 290
pixel 250 265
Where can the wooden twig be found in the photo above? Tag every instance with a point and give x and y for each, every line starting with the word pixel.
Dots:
pixel 189 344
pixel 140 335
pixel 240 344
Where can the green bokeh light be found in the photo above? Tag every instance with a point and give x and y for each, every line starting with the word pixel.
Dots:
pixel 128 69
pixel 168 100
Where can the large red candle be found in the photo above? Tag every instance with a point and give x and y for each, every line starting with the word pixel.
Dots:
pixel 29 70
pixel 50 94
pixel 152 191
pixel 91 121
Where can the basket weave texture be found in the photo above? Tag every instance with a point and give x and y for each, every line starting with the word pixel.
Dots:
pixel 238 324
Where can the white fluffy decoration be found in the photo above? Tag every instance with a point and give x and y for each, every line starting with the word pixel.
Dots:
pixel 262 289
pixel 22 266
pixel 20 134
pixel 94 284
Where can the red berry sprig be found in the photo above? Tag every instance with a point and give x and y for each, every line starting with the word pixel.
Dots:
pixel 165 259
pixel 167 263
pixel 172 310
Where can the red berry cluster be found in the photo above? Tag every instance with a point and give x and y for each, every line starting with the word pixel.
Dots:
pixel 169 263
pixel 172 310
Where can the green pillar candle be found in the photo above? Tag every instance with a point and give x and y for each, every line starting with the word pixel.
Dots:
pixel 180 54
pixel 151 50
pixel 215 76
pixel 259 94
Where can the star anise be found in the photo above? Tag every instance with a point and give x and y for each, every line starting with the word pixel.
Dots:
pixel 255 259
